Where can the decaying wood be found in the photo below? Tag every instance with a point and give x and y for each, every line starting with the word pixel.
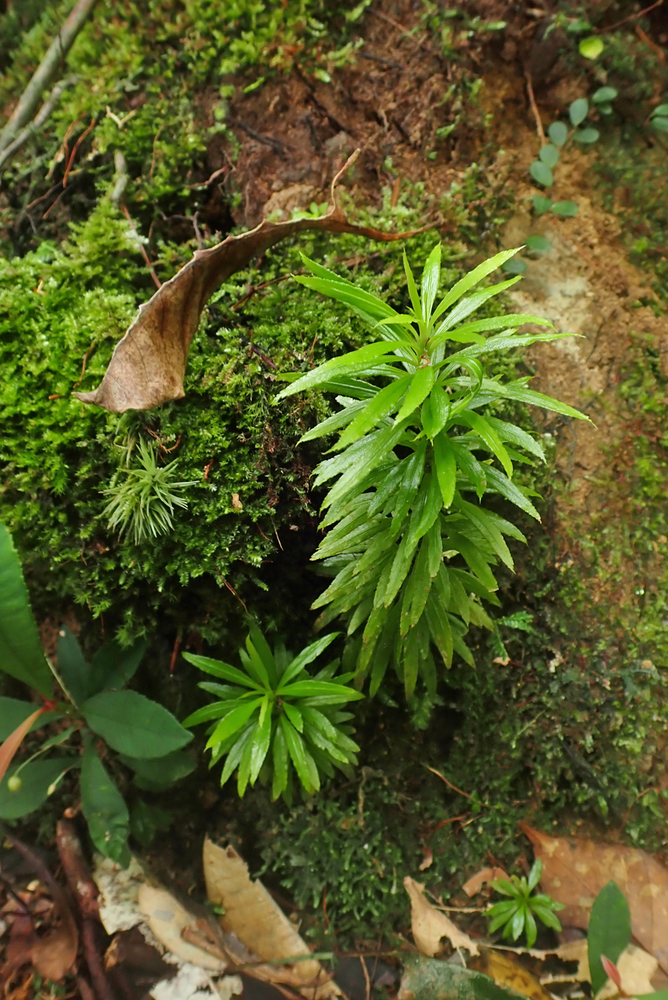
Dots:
pixel 76 870
pixel 148 365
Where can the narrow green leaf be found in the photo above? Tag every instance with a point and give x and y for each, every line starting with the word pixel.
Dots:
pixel 261 738
pixel 472 278
pixel 541 204
pixel 538 244
pixel 375 410
pixel 446 467
pixel 104 809
pixel 307 689
pixel 13 712
pixel 431 276
pixel 303 762
pixel 22 655
pixel 524 395
pixel 232 722
pixel 609 931
pixel 113 666
pixel 307 655
pixel 516 436
pixel 220 669
pixel 158 774
pixel 294 715
pixel 264 652
pixel 488 435
pixel 509 322
pixel 501 484
pixel 412 287
pixel 253 663
pixel 72 667
pixel 435 412
pixel 420 386
pixel 354 361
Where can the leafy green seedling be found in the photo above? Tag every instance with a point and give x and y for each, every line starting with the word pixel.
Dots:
pixel 273 704
pixel 98 708
pixel 541 204
pixel 558 133
pixel 518 914
pixel 538 244
pixel 541 173
pixel 143 497
pixel 566 209
pixel 549 155
pixel 578 111
pixel 412 540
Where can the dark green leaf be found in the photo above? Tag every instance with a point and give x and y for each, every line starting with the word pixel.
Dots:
pixel 515 266
pixel 301 758
pixel 36 779
pixel 609 931
pixel 306 656
pixel 420 387
pixel 431 979
pixel 375 410
pixel 501 484
pixel 660 123
pixel 157 774
pixel 112 666
pixel 353 362
pixel 147 821
pixel 104 809
pixel 308 689
pixel 21 653
pixel 13 712
pixel 134 725
pixel 72 668
pixel 232 722
pixel 220 669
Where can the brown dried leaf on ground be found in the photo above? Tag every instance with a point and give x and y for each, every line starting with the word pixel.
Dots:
pixel 170 922
pixel 575 871
pixel 149 363
pixel 429 925
pixel 253 916
pixel 483 877
pixel 507 971
pixel 636 969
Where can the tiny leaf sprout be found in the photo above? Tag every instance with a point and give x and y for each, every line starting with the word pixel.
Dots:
pixel 519 913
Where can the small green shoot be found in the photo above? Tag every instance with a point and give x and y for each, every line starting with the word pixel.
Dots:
pixel 518 914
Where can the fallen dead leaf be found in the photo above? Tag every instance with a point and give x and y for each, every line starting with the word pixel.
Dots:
pixel 429 925
pixel 169 921
pixel 483 877
pixel 507 971
pixel 575 871
pixel 253 916
pixel 636 969
pixel 149 363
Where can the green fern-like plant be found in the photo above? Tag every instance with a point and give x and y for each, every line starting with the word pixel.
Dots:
pixel 273 704
pixel 412 542
pixel 143 497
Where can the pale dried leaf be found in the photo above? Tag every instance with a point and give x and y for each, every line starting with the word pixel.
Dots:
pixel 429 925
pixel 168 920
pixel 148 365
pixel 505 970
pixel 118 893
pixel 575 871
pixel 483 877
pixel 636 968
pixel 259 923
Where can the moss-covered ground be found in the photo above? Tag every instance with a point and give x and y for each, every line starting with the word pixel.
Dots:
pixel 567 730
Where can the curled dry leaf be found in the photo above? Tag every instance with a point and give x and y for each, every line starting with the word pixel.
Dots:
pixel 149 363
pixel 575 871
pixel 169 923
pixel 429 925
pixel 253 916
pixel 483 877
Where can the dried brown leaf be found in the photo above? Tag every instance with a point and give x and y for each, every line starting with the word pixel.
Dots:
pixel 149 363
pixel 483 877
pixel 575 871
pixel 429 925
pixel 507 971
pixel 253 916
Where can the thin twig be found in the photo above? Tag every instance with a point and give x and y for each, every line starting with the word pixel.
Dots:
pixel 76 147
pixel 449 783
pixel 534 108
pixel 141 246
pixel 39 120
pixel 268 140
pixel 611 27
pixel 41 78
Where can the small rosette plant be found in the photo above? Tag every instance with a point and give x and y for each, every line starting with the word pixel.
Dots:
pixel 273 716
pixel 519 913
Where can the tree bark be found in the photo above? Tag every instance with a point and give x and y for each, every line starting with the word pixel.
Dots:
pixel 46 70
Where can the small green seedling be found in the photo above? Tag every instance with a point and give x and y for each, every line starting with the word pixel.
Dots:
pixel 659 118
pixel 519 913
